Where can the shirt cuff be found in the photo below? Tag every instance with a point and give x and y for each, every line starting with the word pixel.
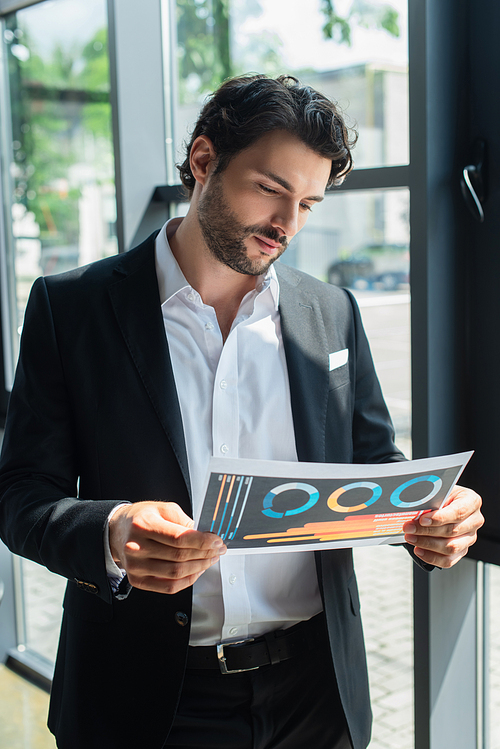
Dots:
pixel 115 573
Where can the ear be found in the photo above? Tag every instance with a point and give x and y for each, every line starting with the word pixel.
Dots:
pixel 202 158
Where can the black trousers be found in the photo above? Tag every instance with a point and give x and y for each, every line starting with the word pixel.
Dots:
pixel 290 705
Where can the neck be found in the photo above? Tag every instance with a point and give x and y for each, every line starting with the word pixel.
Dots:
pixel 218 285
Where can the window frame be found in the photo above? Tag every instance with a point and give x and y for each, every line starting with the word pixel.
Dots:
pixel 438 36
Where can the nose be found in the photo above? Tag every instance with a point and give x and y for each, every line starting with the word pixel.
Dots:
pixel 286 218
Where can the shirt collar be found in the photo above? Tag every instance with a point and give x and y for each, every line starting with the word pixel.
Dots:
pixel 171 279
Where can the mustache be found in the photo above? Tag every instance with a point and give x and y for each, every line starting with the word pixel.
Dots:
pixel 269 233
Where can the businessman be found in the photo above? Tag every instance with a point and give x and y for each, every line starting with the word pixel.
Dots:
pixel 133 372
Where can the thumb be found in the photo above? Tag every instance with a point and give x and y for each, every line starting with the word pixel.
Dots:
pixel 173 513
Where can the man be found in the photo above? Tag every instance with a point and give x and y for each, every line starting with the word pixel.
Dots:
pixel 132 373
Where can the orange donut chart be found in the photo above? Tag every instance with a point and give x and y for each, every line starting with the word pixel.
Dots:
pixel 334 504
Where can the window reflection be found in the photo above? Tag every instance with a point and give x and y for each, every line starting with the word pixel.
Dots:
pixel 62 170
pixel 357 56
pixel 360 240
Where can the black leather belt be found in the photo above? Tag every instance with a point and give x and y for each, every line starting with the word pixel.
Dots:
pixel 248 655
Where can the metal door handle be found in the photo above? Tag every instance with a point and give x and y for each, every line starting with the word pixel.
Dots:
pixel 474 205
pixel 472 181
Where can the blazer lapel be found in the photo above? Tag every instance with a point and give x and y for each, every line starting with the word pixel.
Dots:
pixel 136 302
pixel 305 343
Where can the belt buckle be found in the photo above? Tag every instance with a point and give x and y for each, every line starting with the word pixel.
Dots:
pixel 222 658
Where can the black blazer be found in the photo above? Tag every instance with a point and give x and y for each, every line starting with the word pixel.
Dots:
pixel 94 419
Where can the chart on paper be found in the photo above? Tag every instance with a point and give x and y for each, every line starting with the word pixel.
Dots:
pixel 266 506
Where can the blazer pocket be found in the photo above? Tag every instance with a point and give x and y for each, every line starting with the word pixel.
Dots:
pixel 352 587
pixel 339 376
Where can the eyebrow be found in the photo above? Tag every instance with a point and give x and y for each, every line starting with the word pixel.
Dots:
pixel 287 186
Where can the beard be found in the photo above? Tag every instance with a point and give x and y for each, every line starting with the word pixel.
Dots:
pixel 225 235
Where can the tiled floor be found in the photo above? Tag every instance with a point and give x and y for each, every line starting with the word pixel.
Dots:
pixel 43 593
pixel 385 585
pixel 384 576
pixel 23 714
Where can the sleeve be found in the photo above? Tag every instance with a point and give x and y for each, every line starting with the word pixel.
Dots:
pixel 41 516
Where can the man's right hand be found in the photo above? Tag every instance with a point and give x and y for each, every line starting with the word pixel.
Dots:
pixel 154 542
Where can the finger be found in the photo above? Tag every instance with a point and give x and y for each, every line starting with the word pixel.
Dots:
pixel 187 538
pixel 146 548
pixel 159 521
pixel 461 504
pixel 141 569
pixel 459 511
pixel 464 492
pixel 174 513
pixel 428 526
pixel 444 561
pixel 443 546
pixel 169 587
pixel 176 536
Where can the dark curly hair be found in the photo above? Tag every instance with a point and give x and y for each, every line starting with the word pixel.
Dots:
pixel 245 108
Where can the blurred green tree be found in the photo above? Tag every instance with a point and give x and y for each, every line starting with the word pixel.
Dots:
pixel 361 13
pixel 61 114
pixel 204 54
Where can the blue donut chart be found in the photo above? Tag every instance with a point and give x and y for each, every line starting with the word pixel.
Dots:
pixel 268 499
pixel 398 502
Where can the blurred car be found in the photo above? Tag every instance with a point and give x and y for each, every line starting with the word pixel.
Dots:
pixel 353 272
pixel 379 267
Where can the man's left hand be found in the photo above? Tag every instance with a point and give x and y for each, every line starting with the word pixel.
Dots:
pixel 443 537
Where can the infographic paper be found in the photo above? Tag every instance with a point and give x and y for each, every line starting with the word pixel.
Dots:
pixel 274 506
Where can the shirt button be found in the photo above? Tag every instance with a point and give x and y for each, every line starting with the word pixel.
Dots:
pixel 223 384
pixel 209 326
pixel 232 579
pixel 191 296
pixel 224 449
pixel 233 631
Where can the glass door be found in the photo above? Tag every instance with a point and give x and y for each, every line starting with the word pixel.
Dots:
pixel 62 198
pixel 61 201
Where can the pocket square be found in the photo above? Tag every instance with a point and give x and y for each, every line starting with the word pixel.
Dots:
pixel 338 358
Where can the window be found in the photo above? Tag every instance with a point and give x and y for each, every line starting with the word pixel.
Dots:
pixel 62 197
pixel 207 40
pixel 367 73
pixel 61 200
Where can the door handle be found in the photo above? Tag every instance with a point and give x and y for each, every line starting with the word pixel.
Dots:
pixel 472 181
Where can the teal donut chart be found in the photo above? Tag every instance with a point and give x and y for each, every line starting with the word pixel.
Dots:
pixel 334 504
pixel 398 502
pixel 268 499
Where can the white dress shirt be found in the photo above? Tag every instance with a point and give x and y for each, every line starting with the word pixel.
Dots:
pixel 234 398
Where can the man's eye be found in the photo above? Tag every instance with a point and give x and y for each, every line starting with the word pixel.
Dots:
pixel 307 207
pixel 268 189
